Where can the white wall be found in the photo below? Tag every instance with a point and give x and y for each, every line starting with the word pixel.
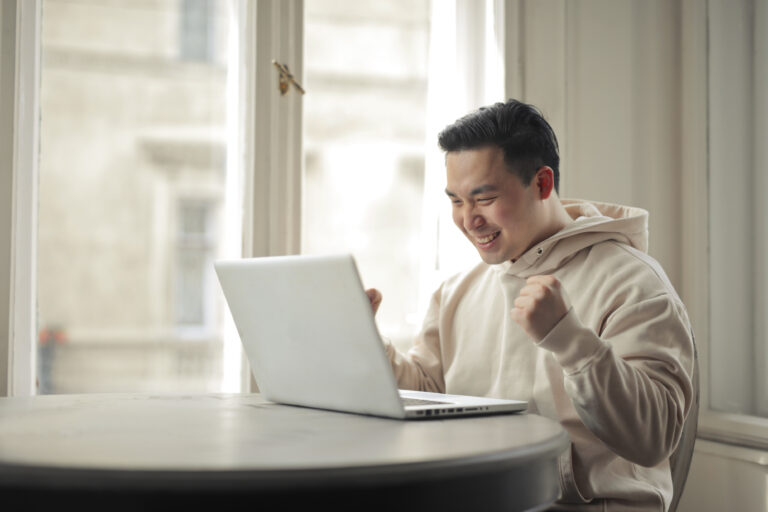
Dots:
pixel 725 478
pixel 624 84
pixel 606 73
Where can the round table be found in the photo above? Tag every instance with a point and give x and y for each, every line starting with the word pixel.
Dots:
pixel 160 452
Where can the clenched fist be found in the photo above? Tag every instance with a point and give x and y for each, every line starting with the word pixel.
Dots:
pixel 542 303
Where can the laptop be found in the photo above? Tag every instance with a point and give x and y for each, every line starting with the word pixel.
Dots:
pixel 309 333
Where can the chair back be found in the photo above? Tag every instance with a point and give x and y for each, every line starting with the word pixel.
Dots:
pixel 680 461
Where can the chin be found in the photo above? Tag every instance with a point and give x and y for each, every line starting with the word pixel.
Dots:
pixel 492 259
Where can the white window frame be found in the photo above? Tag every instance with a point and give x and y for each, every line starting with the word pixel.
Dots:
pixel 272 148
pixel 727 146
pixel 271 128
pixel 19 79
pixel 268 151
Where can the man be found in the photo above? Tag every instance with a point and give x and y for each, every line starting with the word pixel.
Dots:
pixel 566 311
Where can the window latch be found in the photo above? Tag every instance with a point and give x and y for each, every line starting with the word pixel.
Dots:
pixel 286 79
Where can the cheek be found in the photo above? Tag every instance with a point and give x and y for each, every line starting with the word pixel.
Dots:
pixel 456 214
pixel 502 215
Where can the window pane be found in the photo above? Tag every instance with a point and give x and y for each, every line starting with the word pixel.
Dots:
pixel 132 180
pixel 364 125
pixel 738 76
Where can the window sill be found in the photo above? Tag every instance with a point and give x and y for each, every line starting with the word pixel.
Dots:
pixel 735 430
pixel 730 451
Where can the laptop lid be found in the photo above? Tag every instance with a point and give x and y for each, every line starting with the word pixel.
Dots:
pixel 308 331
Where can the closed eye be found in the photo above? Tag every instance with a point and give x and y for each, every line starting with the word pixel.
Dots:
pixel 486 199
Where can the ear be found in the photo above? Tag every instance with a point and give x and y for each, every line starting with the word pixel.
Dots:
pixel 545 181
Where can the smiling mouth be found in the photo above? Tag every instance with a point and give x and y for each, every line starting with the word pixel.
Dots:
pixel 486 240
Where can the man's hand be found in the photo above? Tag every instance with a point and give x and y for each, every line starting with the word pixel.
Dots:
pixel 542 303
pixel 374 296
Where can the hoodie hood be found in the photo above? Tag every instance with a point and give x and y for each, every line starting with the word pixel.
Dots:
pixel 593 223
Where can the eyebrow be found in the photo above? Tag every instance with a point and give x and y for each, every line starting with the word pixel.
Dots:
pixel 482 189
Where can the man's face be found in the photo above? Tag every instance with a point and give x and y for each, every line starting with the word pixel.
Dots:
pixel 490 204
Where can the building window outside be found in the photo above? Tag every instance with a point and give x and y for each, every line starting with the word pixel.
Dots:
pixel 129 132
pixel 196 30
pixel 195 252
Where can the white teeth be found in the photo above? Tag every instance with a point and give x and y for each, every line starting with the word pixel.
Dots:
pixel 488 238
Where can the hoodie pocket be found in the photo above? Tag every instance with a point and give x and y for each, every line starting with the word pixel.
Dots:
pixel 570 491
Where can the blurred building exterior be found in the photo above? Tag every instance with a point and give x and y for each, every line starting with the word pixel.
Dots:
pixel 365 68
pixel 132 171
pixel 131 179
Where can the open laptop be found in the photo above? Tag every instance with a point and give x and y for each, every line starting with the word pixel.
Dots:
pixel 308 331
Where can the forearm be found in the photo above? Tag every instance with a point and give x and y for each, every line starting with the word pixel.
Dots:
pixel 634 401
pixel 415 372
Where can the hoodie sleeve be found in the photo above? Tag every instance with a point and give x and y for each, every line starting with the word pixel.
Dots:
pixel 632 385
pixel 421 368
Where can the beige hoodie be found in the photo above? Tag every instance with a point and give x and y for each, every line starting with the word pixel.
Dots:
pixel 615 371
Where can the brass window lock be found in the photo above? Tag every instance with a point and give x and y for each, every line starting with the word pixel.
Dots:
pixel 286 79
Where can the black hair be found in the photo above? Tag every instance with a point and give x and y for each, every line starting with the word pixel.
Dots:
pixel 519 129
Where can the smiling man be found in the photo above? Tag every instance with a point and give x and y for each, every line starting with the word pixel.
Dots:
pixel 566 311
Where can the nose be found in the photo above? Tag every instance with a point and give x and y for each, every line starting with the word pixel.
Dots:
pixel 471 218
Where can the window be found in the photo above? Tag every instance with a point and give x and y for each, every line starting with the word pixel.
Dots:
pixel 383 78
pixel 364 126
pixel 195 252
pixel 737 388
pixel 132 182
pixel 197 29
pixel 125 180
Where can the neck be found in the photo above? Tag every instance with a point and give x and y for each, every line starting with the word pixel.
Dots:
pixel 555 219
pixel 559 218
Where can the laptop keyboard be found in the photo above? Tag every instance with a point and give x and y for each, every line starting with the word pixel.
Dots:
pixel 418 401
